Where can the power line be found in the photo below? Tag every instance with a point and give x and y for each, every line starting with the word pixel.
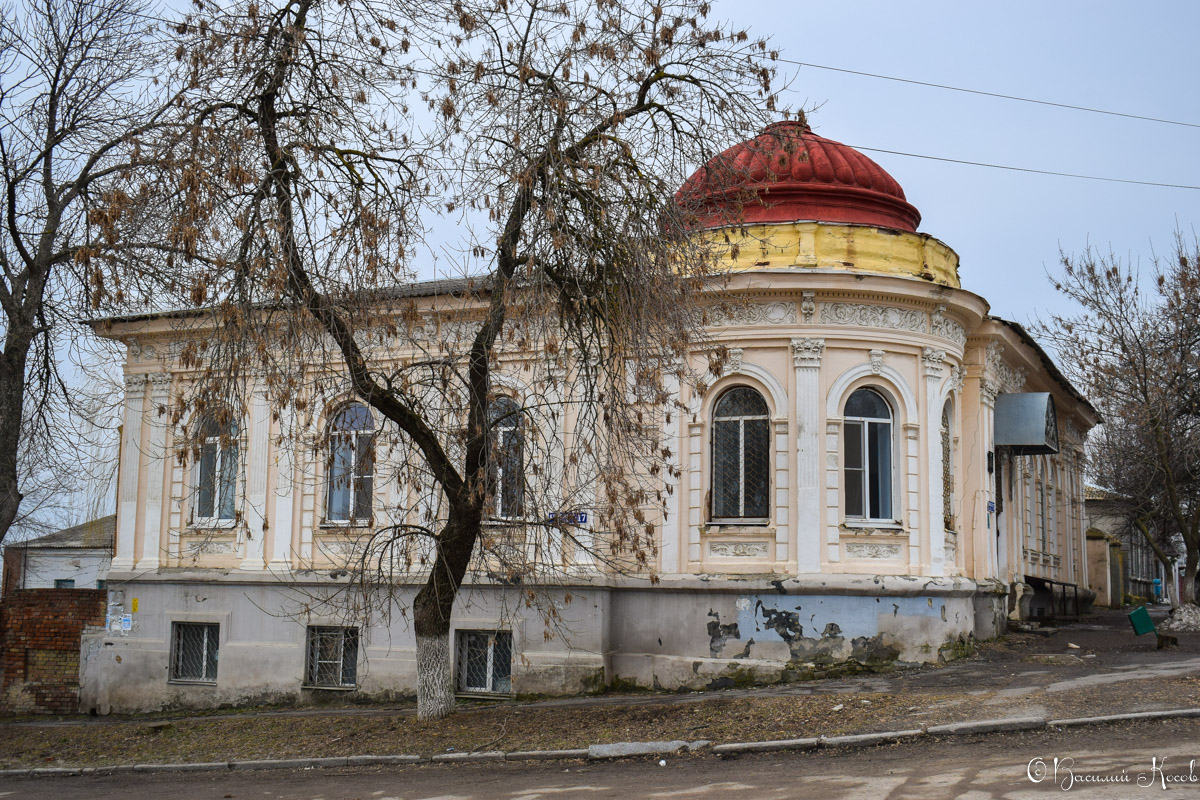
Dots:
pixel 1027 169
pixel 990 94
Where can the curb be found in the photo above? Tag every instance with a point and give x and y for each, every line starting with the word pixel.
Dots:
pixel 605 752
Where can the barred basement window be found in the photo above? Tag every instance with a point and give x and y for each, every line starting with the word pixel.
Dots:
pixel 64 583
pixel 332 658
pixel 194 652
pixel 485 662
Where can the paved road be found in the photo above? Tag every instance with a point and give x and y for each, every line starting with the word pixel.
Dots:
pixel 996 766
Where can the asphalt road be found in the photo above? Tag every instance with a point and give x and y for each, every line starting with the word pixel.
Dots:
pixel 978 767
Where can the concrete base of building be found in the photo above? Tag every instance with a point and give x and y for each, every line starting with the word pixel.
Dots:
pixel 686 632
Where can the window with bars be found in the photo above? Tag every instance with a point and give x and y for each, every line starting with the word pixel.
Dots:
pixel 741 452
pixel 216 472
pixel 867 434
pixel 332 658
pixel 64 583
pixel 194 651
pixel 947 471
pixel 507 472
pixel 351 465
pixel 485 662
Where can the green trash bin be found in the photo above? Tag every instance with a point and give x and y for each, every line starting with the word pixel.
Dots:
pixel 1139 618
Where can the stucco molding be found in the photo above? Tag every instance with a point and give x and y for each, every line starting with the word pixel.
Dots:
pixel 933 361
pixel 779 396
pixel 738 549
pixel 1002 377
pixel 945 328
pixel 808 306
pixel 872 316
pixel 777 313
pixel 807 352
pixel 873 551
pixel 839 389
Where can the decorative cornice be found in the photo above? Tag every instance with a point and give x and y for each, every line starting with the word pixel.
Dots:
pixel 807 352
pixel 871 316
pixel 1002 377
pixel 946 328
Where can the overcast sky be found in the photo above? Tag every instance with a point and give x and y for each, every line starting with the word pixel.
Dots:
pixel 1007 227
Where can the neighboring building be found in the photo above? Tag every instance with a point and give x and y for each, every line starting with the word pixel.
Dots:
pixel 73 558
pixel 882 472
pixel 1125 557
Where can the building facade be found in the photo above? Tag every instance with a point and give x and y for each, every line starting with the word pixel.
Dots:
pixel 848 495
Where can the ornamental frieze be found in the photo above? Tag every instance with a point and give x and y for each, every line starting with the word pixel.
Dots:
pixel 738 549
pixel 863 550
pixel 754 314
pixel 871 316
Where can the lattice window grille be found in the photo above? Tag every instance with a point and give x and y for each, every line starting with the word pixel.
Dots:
pixel 195 652
pixel 332 657
pixel 485 662
pixel 741 456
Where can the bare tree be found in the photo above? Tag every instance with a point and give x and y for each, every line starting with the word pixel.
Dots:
pixel 554 135
pixel 1138 354
pixel 74 95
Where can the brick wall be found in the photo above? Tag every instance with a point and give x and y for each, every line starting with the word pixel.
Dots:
pixel 39 647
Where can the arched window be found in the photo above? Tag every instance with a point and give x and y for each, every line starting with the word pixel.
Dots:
pixel 508 458
pixel 350 483
pixel 947 471
pixel 216 472
pixel 868 456
pixel 741 451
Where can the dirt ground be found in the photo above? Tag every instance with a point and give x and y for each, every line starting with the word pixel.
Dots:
pixel 1109 670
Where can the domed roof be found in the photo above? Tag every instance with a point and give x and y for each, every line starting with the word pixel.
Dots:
pixel 788 173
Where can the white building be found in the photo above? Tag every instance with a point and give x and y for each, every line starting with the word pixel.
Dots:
pixel 879 476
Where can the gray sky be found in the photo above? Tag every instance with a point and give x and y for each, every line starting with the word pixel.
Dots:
pixel 1007 227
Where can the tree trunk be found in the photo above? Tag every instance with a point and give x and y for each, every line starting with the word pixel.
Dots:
pixel 1187 592
pixel 435 679
pixel 431 616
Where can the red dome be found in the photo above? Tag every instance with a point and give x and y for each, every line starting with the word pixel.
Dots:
pixel 788 173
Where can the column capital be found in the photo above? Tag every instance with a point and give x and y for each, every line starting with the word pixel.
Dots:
pixel 807 352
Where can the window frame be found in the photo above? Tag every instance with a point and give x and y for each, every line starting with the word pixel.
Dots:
pixel 64 583
pixel 741 420
pixel 864 424
pixel 463 653
pixel 355 439
pixel 348 636
pixel 507 421
pixel 220 470
pixel 949 520
pixel 212 638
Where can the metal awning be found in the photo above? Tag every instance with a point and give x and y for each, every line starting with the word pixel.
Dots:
pixel 1027 423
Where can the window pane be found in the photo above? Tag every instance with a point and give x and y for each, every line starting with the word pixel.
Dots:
pixel 356 417
pixel 879 469
pixel 206 487
pixel 756 465
pixel 363 499
pixel 854 448
pixel 349 657
pixel 512 471
pixel 726 488
pixel 340 460
pixel 228 481
pixel 866 403
pixel 502 662
pixel 210 652
pixel 741 402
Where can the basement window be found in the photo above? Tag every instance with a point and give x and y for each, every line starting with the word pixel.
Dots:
pixel 485 662
pixel 332 658
pixel 194 652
